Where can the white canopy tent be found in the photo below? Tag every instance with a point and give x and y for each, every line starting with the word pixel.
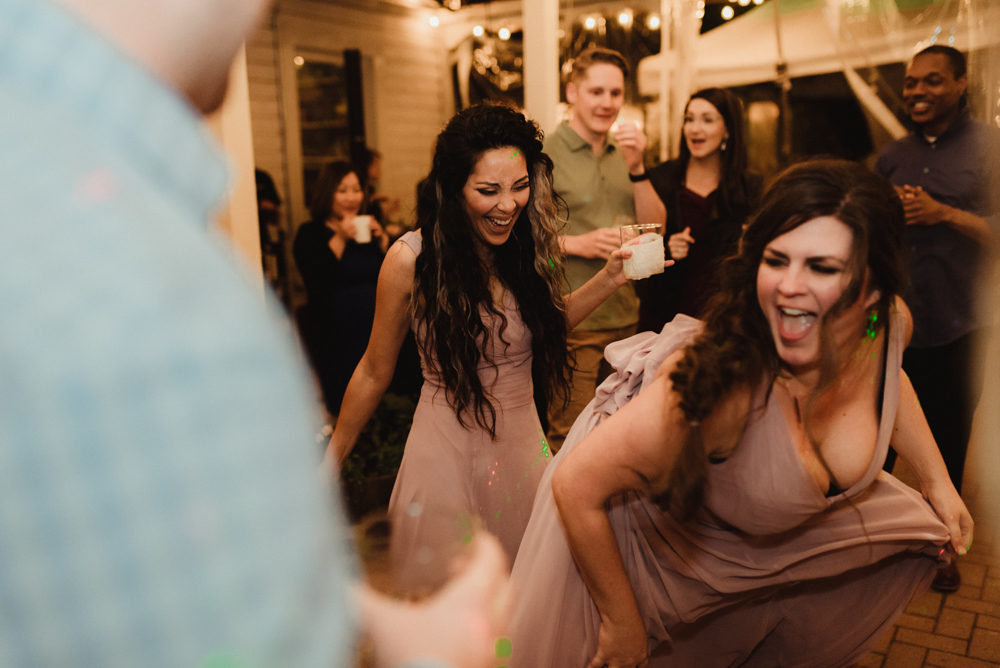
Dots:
pixel 822 36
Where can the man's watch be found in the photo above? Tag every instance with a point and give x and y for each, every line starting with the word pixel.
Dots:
pixel 635 178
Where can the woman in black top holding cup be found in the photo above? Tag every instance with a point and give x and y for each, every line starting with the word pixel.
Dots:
pixel 708 195
pixel 338 254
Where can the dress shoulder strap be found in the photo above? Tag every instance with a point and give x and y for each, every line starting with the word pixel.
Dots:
pixel 413 240
pixel 895 344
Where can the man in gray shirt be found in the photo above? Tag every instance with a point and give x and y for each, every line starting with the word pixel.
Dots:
pixel 943 172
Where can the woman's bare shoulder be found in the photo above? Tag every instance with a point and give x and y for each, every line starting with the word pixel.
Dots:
pixel 899 307
pixel 399 268
pixel 402 255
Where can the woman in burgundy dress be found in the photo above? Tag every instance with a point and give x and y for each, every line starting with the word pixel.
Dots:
pixel 708 195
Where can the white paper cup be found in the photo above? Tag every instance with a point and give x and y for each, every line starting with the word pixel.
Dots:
pixel 362 229
pixel 647 249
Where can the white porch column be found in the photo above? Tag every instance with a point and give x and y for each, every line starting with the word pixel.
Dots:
pixel 666 66
pixel 231 125
pixel 541 61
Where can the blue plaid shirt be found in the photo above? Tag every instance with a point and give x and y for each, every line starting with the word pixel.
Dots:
pixel 159 500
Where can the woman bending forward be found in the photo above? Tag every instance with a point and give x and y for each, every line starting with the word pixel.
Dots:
pixel 723 500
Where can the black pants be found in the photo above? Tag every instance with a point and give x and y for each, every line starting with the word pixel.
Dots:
pixel 948 382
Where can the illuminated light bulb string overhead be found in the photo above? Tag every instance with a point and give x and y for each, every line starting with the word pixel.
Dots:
pixel 712 13
pixel 496 71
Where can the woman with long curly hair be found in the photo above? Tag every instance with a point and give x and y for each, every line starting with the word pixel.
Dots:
pixel 480 284
pixel 723 503
pixel 709 195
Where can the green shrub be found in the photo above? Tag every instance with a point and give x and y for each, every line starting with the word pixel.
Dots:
pixel 379 449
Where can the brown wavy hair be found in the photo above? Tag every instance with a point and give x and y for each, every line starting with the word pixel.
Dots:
pixel 452 281
pixel 732 185
pixel 736 347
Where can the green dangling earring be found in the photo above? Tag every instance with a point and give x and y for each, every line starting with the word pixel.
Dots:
pixel 871 332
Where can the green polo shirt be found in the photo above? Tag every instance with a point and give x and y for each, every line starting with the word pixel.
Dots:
pixel 596 189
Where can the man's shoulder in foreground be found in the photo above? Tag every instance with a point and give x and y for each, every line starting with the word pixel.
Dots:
pixel 159 491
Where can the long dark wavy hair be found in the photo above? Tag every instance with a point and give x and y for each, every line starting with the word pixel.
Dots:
pixel 736 347
pixel 452 292
pixel 732 190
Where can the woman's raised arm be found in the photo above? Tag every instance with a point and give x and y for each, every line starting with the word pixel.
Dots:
pixel 582 301
pixel 374 372
pixel 635 449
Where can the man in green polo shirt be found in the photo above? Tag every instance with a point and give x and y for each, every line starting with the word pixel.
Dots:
pixel 600 177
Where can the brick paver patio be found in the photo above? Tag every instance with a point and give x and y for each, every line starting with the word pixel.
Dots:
pixel 960 630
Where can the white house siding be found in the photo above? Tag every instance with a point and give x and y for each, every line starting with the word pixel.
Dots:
pixel 407 92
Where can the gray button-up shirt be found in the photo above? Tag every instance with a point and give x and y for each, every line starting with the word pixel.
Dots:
pixel 945 265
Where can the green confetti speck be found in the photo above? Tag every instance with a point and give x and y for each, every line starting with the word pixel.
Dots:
pixel 498 513
pixel 504 646
pixel 222 660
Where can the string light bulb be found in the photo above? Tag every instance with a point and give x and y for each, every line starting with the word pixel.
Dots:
pixel 478 31
pixel 434 21
pixel 727 13
pixel 653 22
pixel 503 34
pixel 590 23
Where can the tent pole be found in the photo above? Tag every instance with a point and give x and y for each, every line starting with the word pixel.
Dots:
pixel 541 61
pixel 666 24
pixel 785 83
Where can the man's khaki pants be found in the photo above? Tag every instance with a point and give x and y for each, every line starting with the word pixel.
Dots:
pixel 591 370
